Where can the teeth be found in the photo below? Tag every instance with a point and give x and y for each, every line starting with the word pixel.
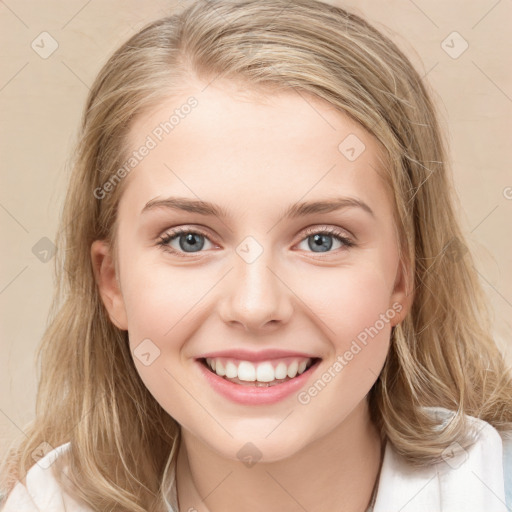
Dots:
pixel 231 370
pixel 292 369
pixel 219 369
pixel 281 371
pixel 265 371
pixel 246 371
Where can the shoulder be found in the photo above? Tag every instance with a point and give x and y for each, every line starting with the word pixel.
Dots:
pixel 473 479
pixel 507 468
pixel 41 491
pixel 489 457
pixel 490 461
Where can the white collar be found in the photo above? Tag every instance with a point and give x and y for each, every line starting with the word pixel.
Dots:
pixel 469 480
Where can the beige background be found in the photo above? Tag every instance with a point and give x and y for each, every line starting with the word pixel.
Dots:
pixel 41 100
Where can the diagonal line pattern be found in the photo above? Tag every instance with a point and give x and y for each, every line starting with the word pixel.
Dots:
pixel 291 496
pixel 14 218
pixel 216 487
pixel 279 423
pixel 492 211
pixel 75 74
pixel 300 300
pixel 13 279
pixel 492 81
pixel 416 494
pixel 482 18
pixel 204 295
pixel 14 76
pixel 493 287
pixel 3 2
pixel 430 70
pixel 497 497
pixel 424 14
pixel 11 420
pixel 76 14
pixel 199 403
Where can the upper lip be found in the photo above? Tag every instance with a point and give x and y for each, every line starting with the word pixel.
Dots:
pixel 261 355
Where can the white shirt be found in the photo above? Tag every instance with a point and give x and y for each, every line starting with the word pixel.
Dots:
pixel 465 481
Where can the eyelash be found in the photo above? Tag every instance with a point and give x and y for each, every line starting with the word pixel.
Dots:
pixel 171 235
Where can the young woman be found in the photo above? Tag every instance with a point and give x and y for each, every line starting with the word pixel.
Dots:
pixel 265 299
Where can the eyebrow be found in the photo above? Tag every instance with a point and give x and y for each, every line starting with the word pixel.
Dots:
pixel 294 211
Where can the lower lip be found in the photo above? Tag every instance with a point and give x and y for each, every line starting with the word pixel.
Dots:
pixel 253 395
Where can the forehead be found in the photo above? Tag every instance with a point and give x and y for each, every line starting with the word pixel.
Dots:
pixel 241 146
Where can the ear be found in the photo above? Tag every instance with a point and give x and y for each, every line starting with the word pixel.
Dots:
pixel 108 284
pixel 403 293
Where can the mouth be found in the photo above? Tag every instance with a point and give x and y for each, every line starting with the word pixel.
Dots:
pixel 259 374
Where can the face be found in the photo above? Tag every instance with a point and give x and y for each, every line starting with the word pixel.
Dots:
pixel 255 280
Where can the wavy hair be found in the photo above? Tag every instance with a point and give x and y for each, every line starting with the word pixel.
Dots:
pixel 123 443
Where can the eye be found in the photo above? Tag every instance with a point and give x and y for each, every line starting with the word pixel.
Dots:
pixel 320 240
pixel 192 241
pixel 188 241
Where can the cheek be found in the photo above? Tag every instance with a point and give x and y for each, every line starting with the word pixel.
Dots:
pixel 159 300
pixel 161 307
pixel 351 306
pixel 347 299
pixel 353 310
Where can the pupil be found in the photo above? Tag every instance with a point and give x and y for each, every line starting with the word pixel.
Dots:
pixel 318 240
pixel 191 239
pixel 194 243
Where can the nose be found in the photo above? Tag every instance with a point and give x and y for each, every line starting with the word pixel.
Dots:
pixel 256 297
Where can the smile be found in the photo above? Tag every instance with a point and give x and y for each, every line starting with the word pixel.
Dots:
pixel 264 373
pixel 257 383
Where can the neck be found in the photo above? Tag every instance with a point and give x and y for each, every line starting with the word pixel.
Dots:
pixel 338 470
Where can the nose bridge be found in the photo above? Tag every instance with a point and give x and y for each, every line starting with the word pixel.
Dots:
pixel 256 293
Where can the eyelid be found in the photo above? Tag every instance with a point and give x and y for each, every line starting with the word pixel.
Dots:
pixel 334 231
pixel 172 233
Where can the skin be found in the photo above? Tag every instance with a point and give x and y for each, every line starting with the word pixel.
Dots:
pixel 254 156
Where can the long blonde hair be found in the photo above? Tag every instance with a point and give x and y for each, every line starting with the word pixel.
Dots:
pixel 122 441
